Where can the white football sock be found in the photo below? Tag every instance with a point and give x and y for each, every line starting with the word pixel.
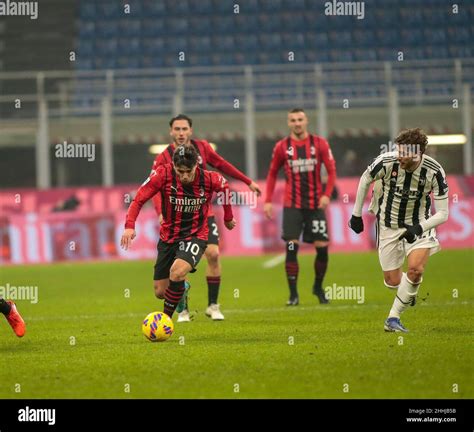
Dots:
pixel 405 294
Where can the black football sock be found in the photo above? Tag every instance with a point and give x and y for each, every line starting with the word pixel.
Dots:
pixel 213 285
pixel 320 267
pixel 173 295
pixel 5 308
pixel 291 267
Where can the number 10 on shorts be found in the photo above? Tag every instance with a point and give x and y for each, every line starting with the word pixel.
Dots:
pixel 189 247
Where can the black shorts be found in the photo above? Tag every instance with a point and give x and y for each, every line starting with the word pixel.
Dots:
pixel 190 251
pixel 312 223
pixel 213 231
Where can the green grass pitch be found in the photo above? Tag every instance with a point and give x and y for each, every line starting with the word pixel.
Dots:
pixel 262 349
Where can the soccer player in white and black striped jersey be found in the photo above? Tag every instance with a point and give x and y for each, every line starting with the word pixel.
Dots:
pixel 405 226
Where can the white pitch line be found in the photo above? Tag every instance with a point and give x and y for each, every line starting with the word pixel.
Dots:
pixel 273 262
pixel 319 308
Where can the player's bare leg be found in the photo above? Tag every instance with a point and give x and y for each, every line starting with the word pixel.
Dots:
pixel 392 278
pixel 175 289
pixel 408 289
pixel 292 269
pixel 160 287
pixel 320 267
pixel 213 275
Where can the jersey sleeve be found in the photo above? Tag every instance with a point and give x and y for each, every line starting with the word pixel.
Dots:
pixel 218 162
pixel 440 185
pixel 156 200
pixel 330 164
pixel 150 187
pixel 380 166
pixel 275 165
pixel 220 185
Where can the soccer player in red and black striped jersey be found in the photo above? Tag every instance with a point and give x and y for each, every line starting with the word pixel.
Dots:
pixel 181 131
pixel 302 154
pixel 186 191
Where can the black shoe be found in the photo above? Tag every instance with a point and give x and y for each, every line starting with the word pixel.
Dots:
pixel 319 293
pixel 293 301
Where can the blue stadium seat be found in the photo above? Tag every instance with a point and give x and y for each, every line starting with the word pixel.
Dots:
pixel 201 7
pixel 411 36
pixel 222 24
pixel 270 5
pixel 86 47
pixel 128 46
pixel 363 37
pixel 270 41
pixel 200 44
pixel 269 23
pixel 86 29
pixel 109 9
pixel 87 11
pixel 292 21
pixel 153 46
pixel 246 41
pixel 223 43
pixel 153 8
pixel 176 43
pixel 107 47
pixel 246 23
pixel 223 6
pixel 434 35
pixel 222 59
pixel 177 26
pixel 294 5
pixel 130 27
pixel 107 29
pixel 200 25
pixel 177 7
pixel 249 6
pixel 365 55
pixel 293 40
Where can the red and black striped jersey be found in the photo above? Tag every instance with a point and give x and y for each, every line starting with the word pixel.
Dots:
pixel 302 161
pixel 206 155
pixel 184 207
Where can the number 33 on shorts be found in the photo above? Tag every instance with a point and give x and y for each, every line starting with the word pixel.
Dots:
pixel 319 227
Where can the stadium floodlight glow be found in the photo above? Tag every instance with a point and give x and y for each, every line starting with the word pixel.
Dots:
pixel 160 148
pixel 454 139
pixel 157 148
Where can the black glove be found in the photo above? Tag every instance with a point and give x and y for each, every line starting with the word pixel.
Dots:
pixel 411 233
pixel 356 224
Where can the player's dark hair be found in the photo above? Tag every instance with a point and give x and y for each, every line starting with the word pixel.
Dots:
pixel 185 156
pixel 414 136
pixel 296 110
pixel 181 117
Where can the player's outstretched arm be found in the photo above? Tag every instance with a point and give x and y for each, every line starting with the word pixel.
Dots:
pixel 356 223
pixel 330 165
pixel 127 237
pixel 217 161
pixel 220 185
pixel 275 165
pixel 149 188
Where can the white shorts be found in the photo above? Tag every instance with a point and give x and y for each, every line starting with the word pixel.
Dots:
pixel 392 252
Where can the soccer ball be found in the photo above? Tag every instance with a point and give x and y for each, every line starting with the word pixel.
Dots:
pixel 157 327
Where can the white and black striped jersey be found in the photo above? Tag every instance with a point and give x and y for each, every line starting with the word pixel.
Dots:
pixel 404 197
